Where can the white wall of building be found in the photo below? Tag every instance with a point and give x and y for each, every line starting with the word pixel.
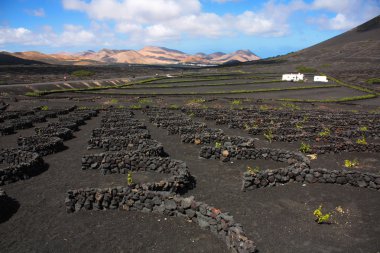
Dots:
pixel 320 79
pixel 292 77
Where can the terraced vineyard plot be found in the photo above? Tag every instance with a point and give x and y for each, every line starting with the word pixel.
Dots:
pixel 219 162
pixel 188 158
pixel 318 94
pixel 287 199
pixel 211 90
pixel 196 83
pixel 232 154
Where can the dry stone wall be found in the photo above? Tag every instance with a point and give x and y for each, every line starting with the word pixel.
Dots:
pixel 18 165
pixel 63 133
pixel 43 145
pixel 129 143
pixel 137 199
pixel 281 176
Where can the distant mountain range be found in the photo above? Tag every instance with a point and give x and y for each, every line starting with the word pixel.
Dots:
pixel 148 55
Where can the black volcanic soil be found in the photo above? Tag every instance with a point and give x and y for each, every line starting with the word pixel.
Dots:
pixel 315 94
pixel 278 219
pixel 42 225
pixel 200 89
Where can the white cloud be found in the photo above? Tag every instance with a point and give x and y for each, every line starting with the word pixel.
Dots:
pixel 139 11
pixel 348 13
pixel 160 32
pixel 251 23
pixel 19 35
pixel 40 12
pixel 207 25
pixel 72 35
pixel 128 28
pixel 122 22
pixel 335 6
pixel 272 20
pixel 162 20
pixel 75 35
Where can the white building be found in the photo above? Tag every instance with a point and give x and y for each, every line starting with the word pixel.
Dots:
pixel 292 77
pixel 322 79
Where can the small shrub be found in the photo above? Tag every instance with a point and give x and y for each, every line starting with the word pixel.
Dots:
pixel 218 144
pixel 305 148
pixel 173 107
pixel 291 106
pixel 363 129
pixel 299 125
pixel 351 164
pixel 129 178
pixel 135 107
pixel 362 141
pixel 269 135
pixel 114 101
pixel 321 218
pixel 247 126
pixel 44 108
pixel 264 108
pixel 236 102
pixel 253 170
pixel 197 101
pixel 326 132
pixel 145 101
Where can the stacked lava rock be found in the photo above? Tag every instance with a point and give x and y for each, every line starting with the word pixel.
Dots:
pixel 18 165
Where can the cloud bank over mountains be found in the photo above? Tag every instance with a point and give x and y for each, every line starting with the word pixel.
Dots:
pixel 145 22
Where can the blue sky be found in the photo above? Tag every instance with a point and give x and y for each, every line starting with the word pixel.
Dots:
pixel 266 27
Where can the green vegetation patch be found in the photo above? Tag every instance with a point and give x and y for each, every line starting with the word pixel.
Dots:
pixel 174 107
pixel 145 101
pixel 290 106
pixel 326 65
pixel 373 81
pixel 196 101
pixel 82 73
pixel 163 86
pixel 305 70
pixel 344 99
pixel 224 92
pixel 355 87
pixel 135 107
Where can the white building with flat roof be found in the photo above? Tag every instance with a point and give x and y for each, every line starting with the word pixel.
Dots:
pixel 322 79
pixel 292 77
